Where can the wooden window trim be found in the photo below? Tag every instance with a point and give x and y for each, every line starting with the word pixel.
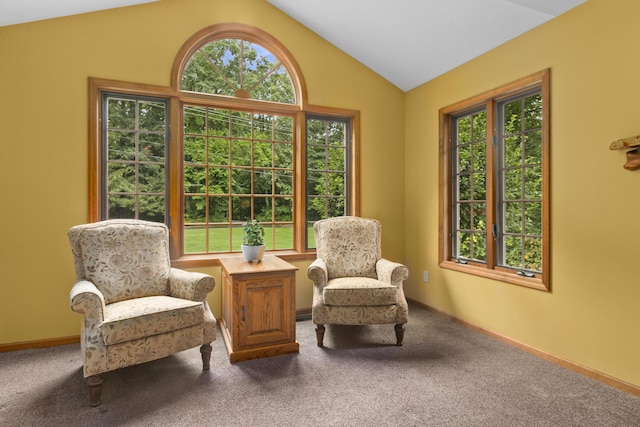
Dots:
pixel 488 99
pixel 177 98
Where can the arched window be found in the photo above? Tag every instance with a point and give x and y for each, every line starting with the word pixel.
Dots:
pixel 245 145
pixel 240 68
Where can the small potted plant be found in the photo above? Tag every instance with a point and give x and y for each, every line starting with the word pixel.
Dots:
pixel 253 241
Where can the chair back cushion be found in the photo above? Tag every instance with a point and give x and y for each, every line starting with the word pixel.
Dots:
pixel 349 245
pixel 125 259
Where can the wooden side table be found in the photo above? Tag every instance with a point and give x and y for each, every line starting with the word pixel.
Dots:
pixel 258 308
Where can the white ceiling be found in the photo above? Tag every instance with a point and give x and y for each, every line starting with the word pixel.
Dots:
pixel 408 42
pixel 21 11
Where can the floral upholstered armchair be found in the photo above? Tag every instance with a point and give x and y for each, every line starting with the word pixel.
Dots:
pixel 135 307
pixel 352 283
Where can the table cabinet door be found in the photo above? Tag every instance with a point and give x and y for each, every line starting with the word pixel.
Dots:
pixel 263 310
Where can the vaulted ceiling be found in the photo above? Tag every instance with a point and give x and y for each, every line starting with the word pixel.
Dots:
pixel 408 42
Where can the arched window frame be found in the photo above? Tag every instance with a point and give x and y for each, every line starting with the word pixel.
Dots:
pixel 177 98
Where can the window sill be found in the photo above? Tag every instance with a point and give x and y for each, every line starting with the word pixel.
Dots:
pixel 503 276
pixel 209 260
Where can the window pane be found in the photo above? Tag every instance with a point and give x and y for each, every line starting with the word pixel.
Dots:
pixel 122 145
pixel 513 184
pixel 151 147
pixel 262 127
pixel 241 153
pixel 512 151
pixel 194 120
pixel 241 208
pixel 283 237
pixel 151 178
pixel 479 216
pixel 316 183
pixel 533 183
pixel 533 254
pixel 284 182
pixel 513 251
pixel 283 155
pixel 479 186
pixel 479 124
pixel 218 209
pixel 262 154
pixel 533 112
pixel 122 178
pixel 513 217
pixel 195 209
pixel 464 245
pixel 263 181
pixel 464 220
pixel 195 239
pixel 240 68
pixel 218 181
pixel 533 218
pixel 479 157
pixel 151 208
pixel 219 238
pixel 263 209
pixel 464 158
pixel 479 246
pixel 240 124
pixel 194 179
pixel 121 206
pixel 512 117
pixel 241 181
pixel 464 130
pixel 135 158
pixel 533 147
pixel 283 209
pixel 218 151
pixel 284 129
pixel 218 121
pixel 121 113
pixel 194 149
pixel 152 116
pixel 464 187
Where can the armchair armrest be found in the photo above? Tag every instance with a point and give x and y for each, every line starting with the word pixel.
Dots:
pixel 85 298
pixel 190 285
pixel 317 272
pixel 391 272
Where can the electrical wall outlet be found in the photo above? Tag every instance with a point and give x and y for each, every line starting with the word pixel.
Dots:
pixel 425 276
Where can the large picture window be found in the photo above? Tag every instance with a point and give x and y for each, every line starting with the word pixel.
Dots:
pixel 495 172
pixel 234 139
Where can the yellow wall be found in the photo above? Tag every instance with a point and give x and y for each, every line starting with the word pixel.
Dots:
pixel 591 316
pixel 44 68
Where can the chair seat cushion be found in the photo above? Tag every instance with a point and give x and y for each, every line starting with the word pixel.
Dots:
pixel 359 292
pixel 142 317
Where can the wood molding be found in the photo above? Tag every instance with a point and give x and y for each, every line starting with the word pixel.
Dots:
pixel 24 345
pixel 583 370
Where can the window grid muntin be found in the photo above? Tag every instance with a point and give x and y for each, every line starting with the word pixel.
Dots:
pixel 502 199
pixel 279 231
pixel 476 235
pixel 137 163
pixel 239 82
pixel 326 143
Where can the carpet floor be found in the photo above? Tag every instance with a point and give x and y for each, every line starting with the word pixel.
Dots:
pixel 445 374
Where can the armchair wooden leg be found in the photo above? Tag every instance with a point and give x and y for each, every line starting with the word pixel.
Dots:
pixel 205 350
pixel 94 383
pixel 399 333
pixel 320 335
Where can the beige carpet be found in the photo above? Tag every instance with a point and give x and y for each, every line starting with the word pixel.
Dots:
pixel 444 375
